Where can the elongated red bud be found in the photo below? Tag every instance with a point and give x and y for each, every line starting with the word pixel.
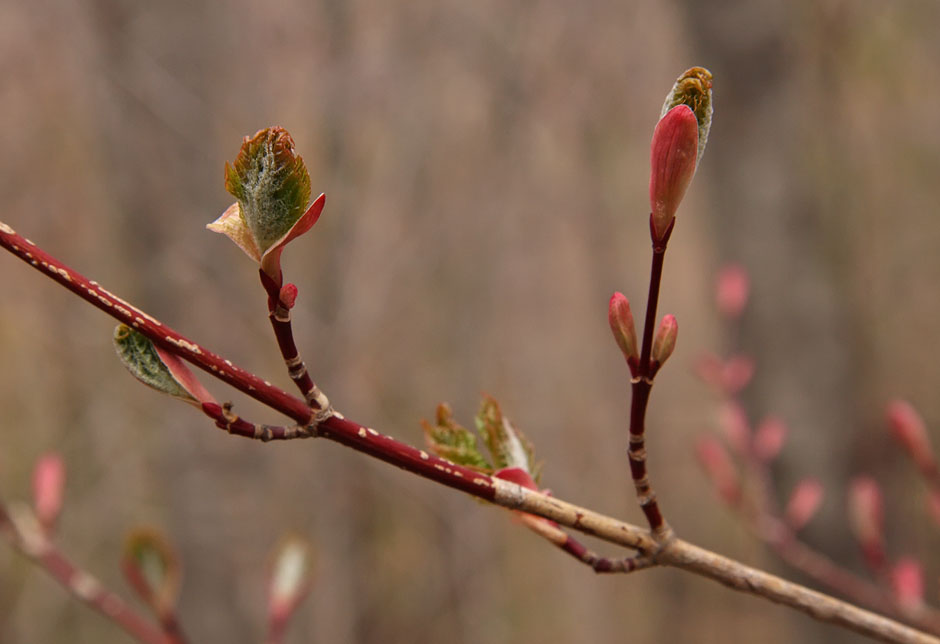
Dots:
pixel 866 518
pixel 48 486
pixel 720 469
pixel 769 438
pixel 672 161
pixel 907 580
pixel 664 343
pixel 804 501
pixel 908 427
pixel 731 292
pixel 620 318
pixel 733 421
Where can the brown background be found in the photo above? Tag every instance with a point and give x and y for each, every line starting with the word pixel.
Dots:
pixel 486 166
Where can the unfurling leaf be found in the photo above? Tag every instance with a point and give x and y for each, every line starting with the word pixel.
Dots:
pixel 156 368
pixel 449 440
pixel 272 187
pixel 153 569
pixel 508 446
pixel 694 89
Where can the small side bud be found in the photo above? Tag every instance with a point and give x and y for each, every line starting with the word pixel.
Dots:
pixel 769 438
pixel 731 291
pixel 288 295
pixel 866 518
pixel 907 581
pixel 908 427
pixel 48 488
pixel 804 502
pixel 664 343
pixel 736 373
pixel 720 469
pixel 672 165
pixel 620 318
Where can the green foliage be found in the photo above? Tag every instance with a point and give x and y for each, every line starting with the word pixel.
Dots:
pixel 455 443
pixel 140 357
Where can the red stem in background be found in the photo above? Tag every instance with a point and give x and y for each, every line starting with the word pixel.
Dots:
pixel 80 584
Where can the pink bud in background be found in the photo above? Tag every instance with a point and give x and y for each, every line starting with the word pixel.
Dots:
pixel 620 318
pixel 732 289
pixel 907 581
pixel 908 427
pixel 804 501
pixel 736 373
pixel 866 518
pixel 673 154
pixel 769 438
pixel 734 424
pixel 720 469
pixel 664 343
pixel 48 487
pixel 933 506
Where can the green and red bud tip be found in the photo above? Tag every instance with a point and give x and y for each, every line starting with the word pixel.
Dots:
pixel 664 343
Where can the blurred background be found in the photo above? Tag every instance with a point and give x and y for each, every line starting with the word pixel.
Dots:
pixel 486 166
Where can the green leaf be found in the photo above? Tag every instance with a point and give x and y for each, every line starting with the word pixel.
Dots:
pixel 140 357
pixel 271 184
pixel 455 443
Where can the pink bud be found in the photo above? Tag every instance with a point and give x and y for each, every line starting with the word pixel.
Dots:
pixel 709 368
pixel 664 343
pixel 620 318
pixel 907 580
pixel 866 518
pixel 732 290
pixel 719 468
pixel 737 429
pixel 804 501
pixel 908 427
pixel 933 506
pixel 769 438
pixel 48 486
pixel 736 373
pixel 288 295
pixel 672 157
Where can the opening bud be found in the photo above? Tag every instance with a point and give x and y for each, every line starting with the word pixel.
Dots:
pixel 620 318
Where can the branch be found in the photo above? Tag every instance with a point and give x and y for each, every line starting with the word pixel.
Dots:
pixel 24 533
pixel 676 553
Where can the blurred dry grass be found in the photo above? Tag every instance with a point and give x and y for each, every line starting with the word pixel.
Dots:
pixel 485 165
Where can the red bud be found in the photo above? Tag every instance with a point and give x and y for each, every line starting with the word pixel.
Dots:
pixel 288 295
pixel 664 343
pixel 737 429
pixel 908 427
pixel 804 501
pixel 732 291
pixel 48 486
pixel 673 155
pixel 866 518
pixel 719 468
pixel 620 318
pixel 769 438
pixel 907 580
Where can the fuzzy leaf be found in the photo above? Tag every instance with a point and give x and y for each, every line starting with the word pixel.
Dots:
pixel 271 185
pixel 140 357
pixel 449 440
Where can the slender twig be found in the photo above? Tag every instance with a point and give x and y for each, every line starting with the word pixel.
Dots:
pixel 642 384
pixel 676 552
pixel 23 531
pixel 279 313
pixel 232 423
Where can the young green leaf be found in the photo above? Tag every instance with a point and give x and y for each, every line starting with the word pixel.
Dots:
pixel 457 444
